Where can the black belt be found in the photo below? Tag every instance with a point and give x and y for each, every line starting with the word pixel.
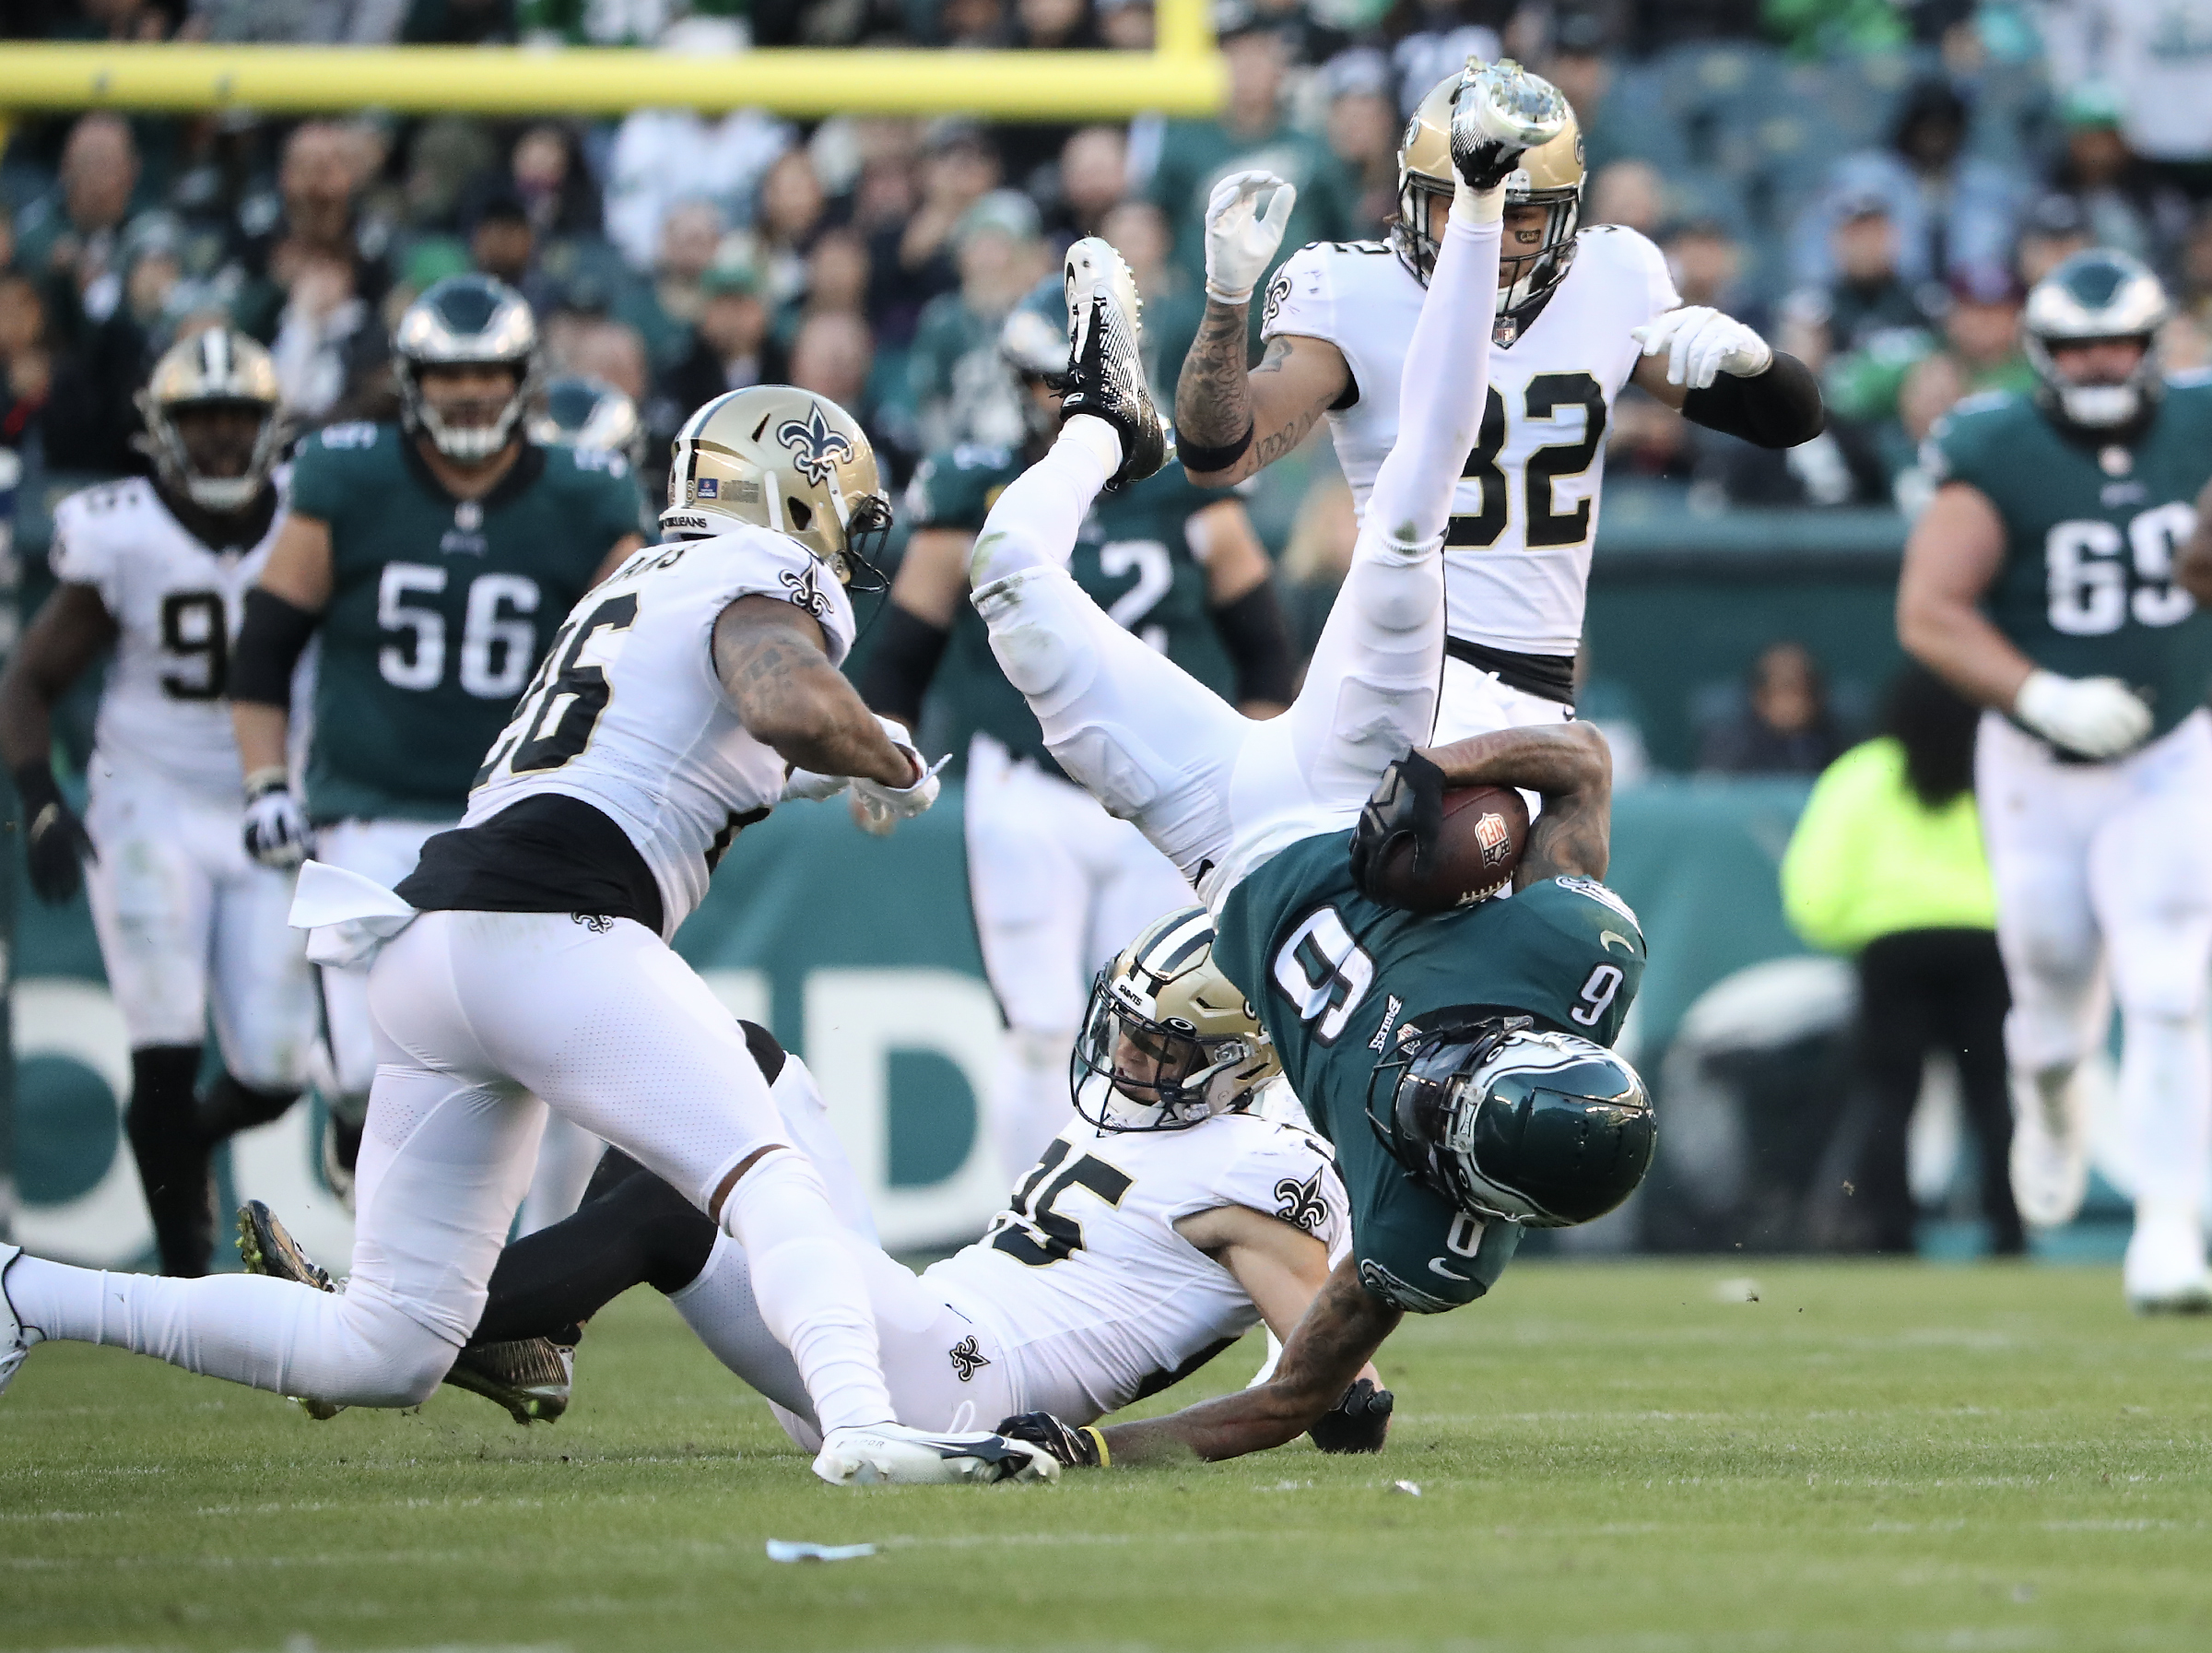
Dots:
pixel 1549 677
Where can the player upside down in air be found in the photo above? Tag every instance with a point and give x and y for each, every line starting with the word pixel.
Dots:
pixel 1458 1062
pixel 1151 1236
pixel 526 958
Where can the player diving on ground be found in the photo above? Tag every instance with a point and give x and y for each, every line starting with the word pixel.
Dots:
pixel 526 957
pixel 1151 1234
pixel 1459 1062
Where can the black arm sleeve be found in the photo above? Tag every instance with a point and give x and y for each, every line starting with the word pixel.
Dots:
pixel 1258 639
pixel 1778 408
pixel 905 658
pixel 269 645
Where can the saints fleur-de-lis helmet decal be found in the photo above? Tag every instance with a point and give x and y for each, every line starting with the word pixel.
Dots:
pixel 784 459
pixel 815 448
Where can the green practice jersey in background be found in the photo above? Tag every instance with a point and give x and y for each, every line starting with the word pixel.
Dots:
pixel 1132 557
pixel 439 608
pixel 1336 979
pixel 2091 532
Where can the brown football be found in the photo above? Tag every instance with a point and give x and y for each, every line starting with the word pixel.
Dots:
pixel 1486 827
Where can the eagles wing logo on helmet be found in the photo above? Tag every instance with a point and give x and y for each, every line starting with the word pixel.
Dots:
pixel 816 449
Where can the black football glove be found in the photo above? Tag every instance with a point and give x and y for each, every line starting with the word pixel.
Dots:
pixel 55 841
pixel 1407 806
pixel 1358 1422
pixel 1077 1449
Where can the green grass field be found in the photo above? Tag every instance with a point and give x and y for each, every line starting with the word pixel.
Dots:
pixel 1608 1458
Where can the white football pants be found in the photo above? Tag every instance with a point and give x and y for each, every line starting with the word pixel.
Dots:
pixel 2104 875
pixel 1475 702
pixel 925 1345
pixel 188 921
pixel 478 1016
pixel 1059 887
pixel 1218 792
pixel 386 850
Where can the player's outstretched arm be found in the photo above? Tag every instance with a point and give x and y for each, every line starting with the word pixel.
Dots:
pixel 1722 375
pixel 1283 1269
pixel 1325 1353
pixel 71 629
pixel 1570 765
pixel 1229 422
pixel 778 678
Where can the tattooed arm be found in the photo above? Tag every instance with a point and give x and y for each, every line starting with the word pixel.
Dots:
pixel 1216 400
pixel 1328 1350
pixel 779 680
pixel 1571 765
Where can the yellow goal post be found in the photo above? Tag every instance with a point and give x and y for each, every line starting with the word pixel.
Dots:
pixel 1183 75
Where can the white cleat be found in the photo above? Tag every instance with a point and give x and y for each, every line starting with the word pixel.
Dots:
pixel 16 1337
pixel 1499 112
pixel 893 1455
pixel 2050 1148
pixel 2165 1271
pixel 1105 367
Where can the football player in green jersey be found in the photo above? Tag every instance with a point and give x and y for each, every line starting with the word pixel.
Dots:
pixel 433 558
pixel 1058 885
pixel 1459 1061
pixel 2042 584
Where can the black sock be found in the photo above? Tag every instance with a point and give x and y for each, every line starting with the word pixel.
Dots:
pixel 633 1229
pixel 231 1105
pixel 163 1125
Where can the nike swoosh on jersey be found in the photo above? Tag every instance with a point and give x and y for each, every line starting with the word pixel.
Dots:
pixel 1609 937
pixel 1438 1266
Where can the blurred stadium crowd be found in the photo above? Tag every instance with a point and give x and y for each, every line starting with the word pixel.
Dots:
pixel 1870 184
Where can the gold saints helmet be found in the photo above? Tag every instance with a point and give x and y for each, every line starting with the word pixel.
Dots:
pixel 1168 1041
pixel 215 368
pixel 784 459
pixel 1550 176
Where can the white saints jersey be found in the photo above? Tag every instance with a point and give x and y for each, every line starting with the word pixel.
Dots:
pixel 1094 1296
pixel 1517 554
pixel 626 713
pixel 177 608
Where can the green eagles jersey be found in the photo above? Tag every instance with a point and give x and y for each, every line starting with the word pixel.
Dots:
pixel 1338 978
pixel 1132 556
pixel 2091 531
pixel 439 608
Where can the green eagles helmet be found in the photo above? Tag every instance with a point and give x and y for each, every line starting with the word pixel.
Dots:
pixel 1508 1120
pixel 2095 295
pixel 465 321
pixel 582 412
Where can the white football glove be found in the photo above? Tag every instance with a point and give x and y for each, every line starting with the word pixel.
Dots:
pixel 2098 717
pixel 805 787
pixel 1240 239
pixel 275 824
pixel 876 809
pixel 1702 344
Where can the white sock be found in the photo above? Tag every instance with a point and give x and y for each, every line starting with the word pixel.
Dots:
pixel 719 1306
pixel 1441 392
pixel 810 1289
pixel 356 1350
pixel 2166 1097
pixel 1035 522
